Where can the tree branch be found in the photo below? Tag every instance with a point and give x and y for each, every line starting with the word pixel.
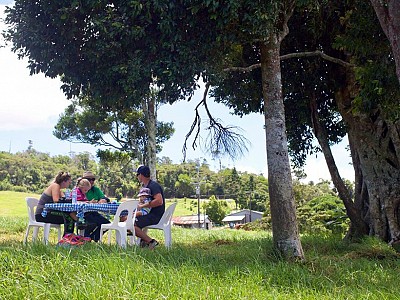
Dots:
pixel 321 54
pixel 294 55
pixel 221 140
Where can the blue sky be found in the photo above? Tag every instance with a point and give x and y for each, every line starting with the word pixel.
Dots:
pixel 30 106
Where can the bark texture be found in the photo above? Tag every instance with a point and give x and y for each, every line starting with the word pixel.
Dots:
pixel 374 143
pixel 150 112
pixel 388 12
pixel 358 226
pixel 283 211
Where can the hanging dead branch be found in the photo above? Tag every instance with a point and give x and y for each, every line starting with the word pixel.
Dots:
pixel 221 140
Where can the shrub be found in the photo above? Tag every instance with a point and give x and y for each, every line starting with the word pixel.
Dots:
pixel 323 214
pixel 5 186
pixel 21 189
pixel 260 224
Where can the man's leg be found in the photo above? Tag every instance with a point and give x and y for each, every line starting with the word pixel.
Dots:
pixel 140 223
pixel 143 236
pixel 93 231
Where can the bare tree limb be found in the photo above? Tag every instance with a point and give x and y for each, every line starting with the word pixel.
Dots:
pixel 321 54
pixel 294 55
pixel 221 140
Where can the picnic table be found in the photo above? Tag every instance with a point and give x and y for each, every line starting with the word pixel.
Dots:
pixel 82 208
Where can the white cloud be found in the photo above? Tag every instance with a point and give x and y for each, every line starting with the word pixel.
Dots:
pixel 26 101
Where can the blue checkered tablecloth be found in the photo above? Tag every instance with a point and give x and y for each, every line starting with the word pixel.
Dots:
pixel 81 208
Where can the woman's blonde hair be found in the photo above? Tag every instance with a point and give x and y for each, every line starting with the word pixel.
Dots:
pixel 84 183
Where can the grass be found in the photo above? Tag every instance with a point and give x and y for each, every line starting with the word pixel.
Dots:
pixel 13 204
pixel 215 264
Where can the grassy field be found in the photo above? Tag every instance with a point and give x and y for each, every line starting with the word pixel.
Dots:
pixel 216 264
pixel 13 204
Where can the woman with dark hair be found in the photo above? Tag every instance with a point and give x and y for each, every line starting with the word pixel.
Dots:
pixel 51 195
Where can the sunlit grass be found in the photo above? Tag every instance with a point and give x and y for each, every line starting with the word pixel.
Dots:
pixel 216 264
pixel 202 264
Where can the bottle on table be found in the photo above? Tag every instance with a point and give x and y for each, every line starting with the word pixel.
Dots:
pixel 67 194
pixel 74 196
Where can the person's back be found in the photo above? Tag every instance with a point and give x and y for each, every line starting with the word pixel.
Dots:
pixel 156 189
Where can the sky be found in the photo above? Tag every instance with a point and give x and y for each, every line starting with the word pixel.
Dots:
pixel 30 107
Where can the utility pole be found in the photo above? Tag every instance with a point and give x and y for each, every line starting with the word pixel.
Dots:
pixel 249 192
pixel 197 186
pixel 250 205
pixel 198 202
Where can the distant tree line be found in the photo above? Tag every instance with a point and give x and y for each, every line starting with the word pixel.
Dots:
pixel 318 205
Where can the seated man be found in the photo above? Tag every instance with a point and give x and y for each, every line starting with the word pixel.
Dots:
pixel 95 193
pixel 157 205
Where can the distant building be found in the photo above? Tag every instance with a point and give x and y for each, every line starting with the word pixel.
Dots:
pixel 192 221
pixel 242 217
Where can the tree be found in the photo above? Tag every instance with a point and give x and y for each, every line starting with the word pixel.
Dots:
pixel 324 213
pixel 171 45
pixel 84 52
pixel 184 186
pixel 216 210
pixel 365 96
pixel 367 102
pixel 117 176
pixel 233 187
pixel 310 87
pixel 126 130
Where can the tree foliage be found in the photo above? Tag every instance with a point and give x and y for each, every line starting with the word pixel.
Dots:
pixel 123 130
pixel 216 210
pixel 325 213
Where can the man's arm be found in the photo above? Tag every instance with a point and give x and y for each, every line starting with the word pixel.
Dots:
pixel 157 201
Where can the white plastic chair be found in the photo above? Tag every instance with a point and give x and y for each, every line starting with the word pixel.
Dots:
pixel 165 224
pixel 121 228
pixel 31 204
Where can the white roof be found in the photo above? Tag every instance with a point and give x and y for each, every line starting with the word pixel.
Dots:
pixel 245 212
pixel 233 218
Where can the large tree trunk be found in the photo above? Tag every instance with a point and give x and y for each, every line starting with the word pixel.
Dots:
pixel 150 112
pixel 283 211
pixel 361 197
pixel 374 143
pixel 358 227
pixel 388 12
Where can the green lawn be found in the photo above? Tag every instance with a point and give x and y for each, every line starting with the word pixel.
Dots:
pixel 202 264
pixel 13 204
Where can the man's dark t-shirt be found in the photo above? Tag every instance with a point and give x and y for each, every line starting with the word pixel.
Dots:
pixel 155 213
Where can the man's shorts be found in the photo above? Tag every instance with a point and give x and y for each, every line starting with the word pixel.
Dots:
pixel 147 220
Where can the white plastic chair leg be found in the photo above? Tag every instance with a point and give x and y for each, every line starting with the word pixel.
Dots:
pixel 46 233
pixel 35 233
pixel 168 238
pixel 26 235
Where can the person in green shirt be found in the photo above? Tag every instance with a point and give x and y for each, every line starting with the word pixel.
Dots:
pixel 94 219
pixel 95 193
